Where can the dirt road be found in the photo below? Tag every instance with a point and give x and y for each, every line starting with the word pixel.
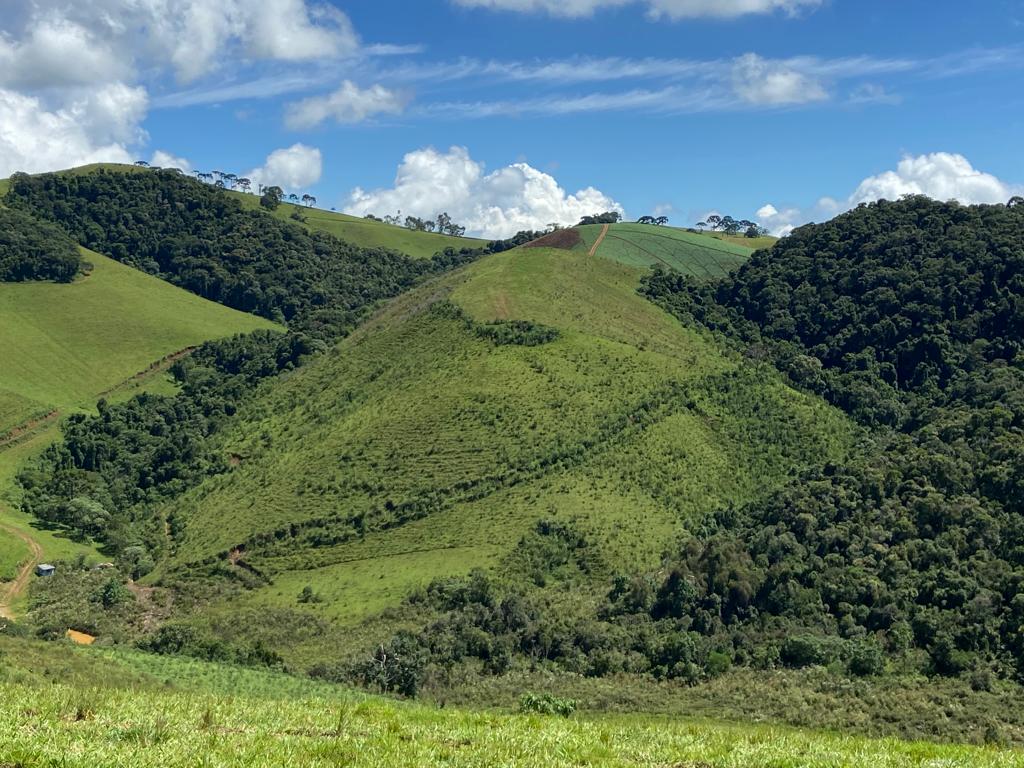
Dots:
pixel 10 592
pixel 600 239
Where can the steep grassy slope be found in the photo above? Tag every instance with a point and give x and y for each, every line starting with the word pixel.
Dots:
pixel 90 707
pixel 420 448
pixel 63 346
pixel 367 233
pixel 645 245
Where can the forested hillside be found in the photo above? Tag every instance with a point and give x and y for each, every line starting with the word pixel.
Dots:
pixel 528 469
pixel 35 250
pixel 204 240
pixel 909 316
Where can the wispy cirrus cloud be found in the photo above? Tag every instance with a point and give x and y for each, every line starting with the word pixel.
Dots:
pixel 580 84
pixel 671 100
pixel 656 9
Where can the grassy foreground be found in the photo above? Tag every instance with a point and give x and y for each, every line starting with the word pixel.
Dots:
pixel 59 725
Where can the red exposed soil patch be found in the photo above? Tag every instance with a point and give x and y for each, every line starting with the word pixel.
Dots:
pixel 566 239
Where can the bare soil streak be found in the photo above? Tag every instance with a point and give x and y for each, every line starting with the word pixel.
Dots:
pixel 600 239
pixel 16 587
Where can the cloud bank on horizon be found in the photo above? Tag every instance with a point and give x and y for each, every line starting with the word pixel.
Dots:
pixel 493 205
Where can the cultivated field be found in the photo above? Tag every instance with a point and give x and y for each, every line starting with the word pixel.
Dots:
pixel 645 245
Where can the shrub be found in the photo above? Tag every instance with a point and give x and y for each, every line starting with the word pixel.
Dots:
pixel 546 704
pixel 866 659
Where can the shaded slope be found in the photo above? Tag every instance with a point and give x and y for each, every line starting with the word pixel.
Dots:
pixel 419 448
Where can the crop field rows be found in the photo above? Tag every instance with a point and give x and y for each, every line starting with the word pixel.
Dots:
pixel 643 246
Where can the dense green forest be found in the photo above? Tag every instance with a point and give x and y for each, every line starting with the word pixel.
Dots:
pixel 35 250
pixel 202 239
pixel 909 316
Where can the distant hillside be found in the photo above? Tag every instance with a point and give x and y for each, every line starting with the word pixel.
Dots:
pixel 64 346
pixel 367 233
pixel 205 240
pixel 646 245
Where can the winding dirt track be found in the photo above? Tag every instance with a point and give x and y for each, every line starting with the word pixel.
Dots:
pixel 11 591
pixel 17 586
pixel 600 239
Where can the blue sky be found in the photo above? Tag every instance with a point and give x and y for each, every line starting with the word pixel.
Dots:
pixel 680 106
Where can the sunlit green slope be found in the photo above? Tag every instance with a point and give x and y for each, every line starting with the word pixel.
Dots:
pixel 63 346
pixel 420 447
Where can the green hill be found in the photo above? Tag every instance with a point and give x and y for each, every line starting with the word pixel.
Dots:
pixel 365 233
pixel 97 332
pixel 65 345
pixel 422 447
pixel 646 245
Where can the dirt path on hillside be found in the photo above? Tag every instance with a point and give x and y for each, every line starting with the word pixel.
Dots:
pixel 600 239
pixel 13 590
pixel 15 434
pixel 161 365
pixel 16 587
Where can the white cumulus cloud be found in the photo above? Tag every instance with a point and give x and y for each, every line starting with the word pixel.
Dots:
pixel 498 204
pixel 162 159
pixel 939 175
pixel 57 52
pixel 348 104
pixel 674 9
pixel 69 69
pixel 773 83
pixel 104 38
pixel 90 127
pixel 292 168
